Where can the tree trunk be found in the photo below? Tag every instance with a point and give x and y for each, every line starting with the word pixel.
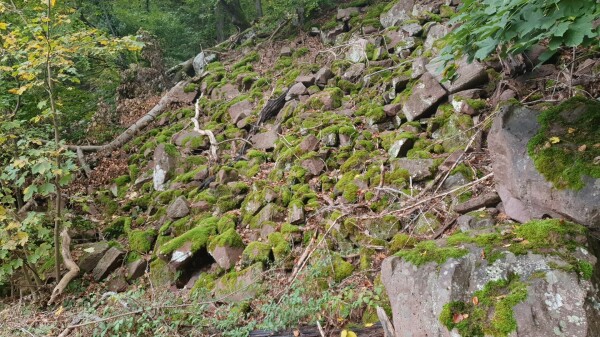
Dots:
pixel 234 9
pixel 259 10
pixel 220 22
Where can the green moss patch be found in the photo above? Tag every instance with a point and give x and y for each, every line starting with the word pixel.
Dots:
pixel 491 314
pixel 230 238
pixel 141 240
pixel 565 147
pixel 197 236
pixel 429 251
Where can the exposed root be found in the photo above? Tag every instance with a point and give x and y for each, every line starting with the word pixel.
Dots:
pixel 69 263
pixel 214 146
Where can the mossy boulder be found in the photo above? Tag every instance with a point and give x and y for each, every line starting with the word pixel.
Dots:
pixel 141 241
pixel 239 286
pixel 226 248
pixel 182 248
pixel 497 280
pixel 257 252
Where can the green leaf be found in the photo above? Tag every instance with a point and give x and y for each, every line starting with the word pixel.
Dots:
pixel 46 189
pixel 41 167
pixel 29 191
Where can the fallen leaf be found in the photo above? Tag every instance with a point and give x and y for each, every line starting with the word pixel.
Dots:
pixel 457 318
pixel 296 333
pixel 368 325
pixel 89 250
pixel 554 140
pixel 582 148
pixel 59 311
pixel 571 130
pixel 475 300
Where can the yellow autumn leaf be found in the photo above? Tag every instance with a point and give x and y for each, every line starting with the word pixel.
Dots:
pixel 571 130
pixel 22 238
pixel 12 225
pixel 3 25
pixel 554 140
pixel 368 325
pixel 51 3
pixel 59 311
pixel 17 91
pixel 348 333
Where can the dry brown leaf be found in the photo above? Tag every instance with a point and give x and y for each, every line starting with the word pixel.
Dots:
pixel 475 300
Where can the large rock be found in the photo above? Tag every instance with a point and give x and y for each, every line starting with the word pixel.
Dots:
pixel 296 90
pixel 524 191
pixel 240 286
pixel 345 14
pixel 354 72
pixel 424 98
pixel 323 75
pixel 240 110
pixel 178 209
pixel 201 61
pixel 469 75
pixel 398 13
pixel 111 260
pixel 265 140
pixel 523 295
pixel 434 33
pixel 358 50
pixel 419 169
pixel 164 165
pixel 89 254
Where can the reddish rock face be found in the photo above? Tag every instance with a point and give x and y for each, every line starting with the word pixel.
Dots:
pixel 424 98
pixel 227 257
pixel 108 263
pixel 525 193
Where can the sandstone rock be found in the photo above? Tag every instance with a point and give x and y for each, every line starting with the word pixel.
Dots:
pixel 240 110
pixel 471 221
pixel 285 51
pixel 418 294
pixel 400 147
pixel 344 14
pixel 108 263
pixel 358 50
pixel 525 193
pixel 309 143
pixel 117 284
pixel 434 33
pixel 185 138
pixel 178 209
pixel 226 256
pixel 226 175
pixel 330 36
pixel 411 29
pixel 271 212
pixel 296 90
pixel 295 214
pixel 265 140
pixel 398 13
pixel 327 99
pixel 484 200
pixel 244 285
pixel 418 67
pixel 136 269
pixel 314 166
pixel 354 72
pixel 226 92
pixel 180 257
pixel 455 180
pixel 91 253
pixel 164 166
pixel 307 80
pixel 426 94
pixel 419 169
pixel 391 110
pixel 469 75
pixel 399 83
pixel 323 75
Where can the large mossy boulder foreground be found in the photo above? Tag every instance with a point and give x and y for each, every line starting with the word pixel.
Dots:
pixel 548 163
pixel 537 279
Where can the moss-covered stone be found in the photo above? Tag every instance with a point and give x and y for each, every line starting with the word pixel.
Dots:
pixel 429 251
pixel 141 240
pixel 280 246
pixel 117 228
pixel 566 147
pixel 160 274
pixel 198 237
pixel 229 238
pixel 257 252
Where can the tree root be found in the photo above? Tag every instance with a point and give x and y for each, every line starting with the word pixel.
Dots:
pixel 214 146
pixel 72 266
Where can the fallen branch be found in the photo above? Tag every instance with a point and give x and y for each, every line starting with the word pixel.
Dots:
pixel 68 260
pixel 141 123
pixel 86 168
pixel 214 146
